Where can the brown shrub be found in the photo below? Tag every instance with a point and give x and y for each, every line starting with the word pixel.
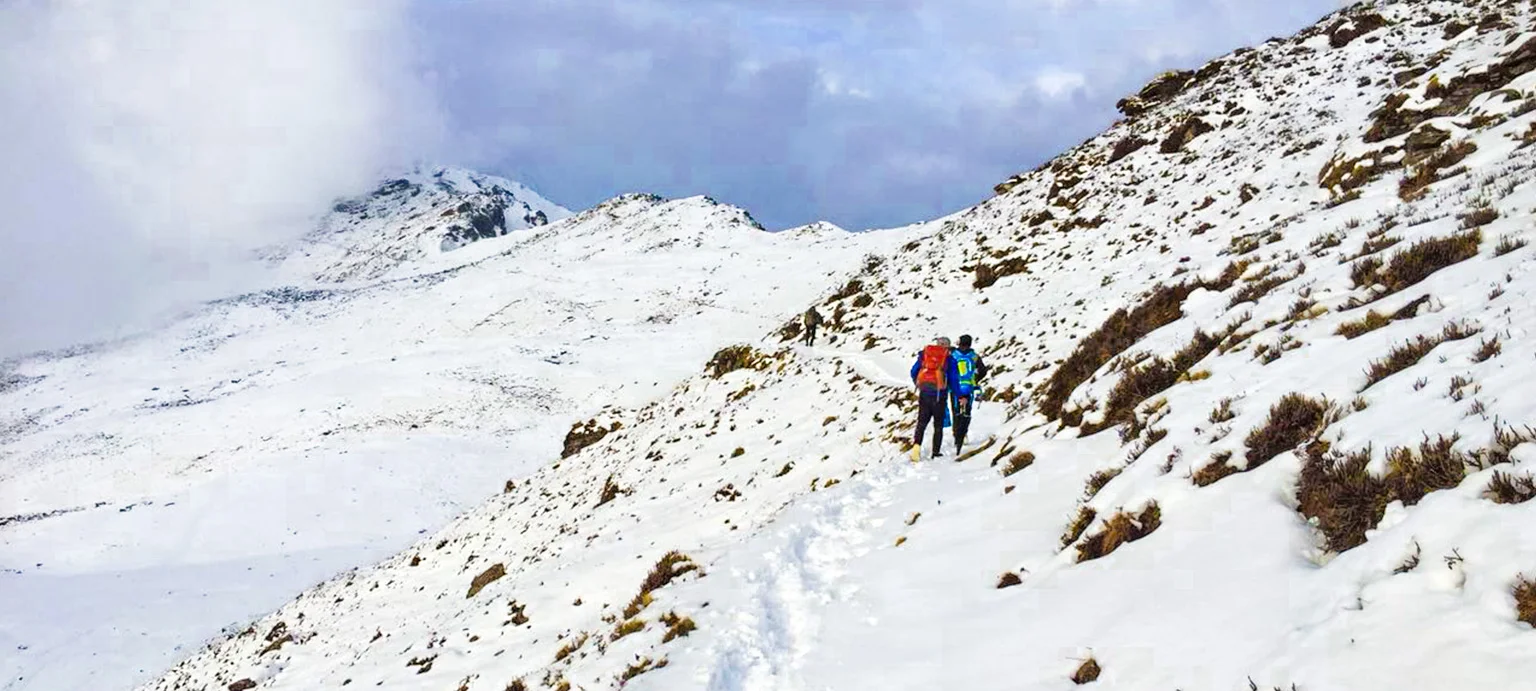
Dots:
pixel 1408 354
pixel 1524 591
pixel 1489 349
pixel 1118 530
pixel 851 288
pixel 485 578
pixel 1507 244
pixel 1409 266
pixel 1346 500
pixel 1222 412
pixel 1479 217
pixel 1087 672
pixel 1078 526
pixel 1121 330
pixel 1506 488
pixel 517 685
pixel 640 667
pixel 1098 480
pixel 1363 273
pixel 1292 421
pixel 1426 173
pixel 1018 462
pixel 1153 378
pixel 1254 290
pixel 1008 580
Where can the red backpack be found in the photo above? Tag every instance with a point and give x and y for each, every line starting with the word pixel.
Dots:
pixel 931 374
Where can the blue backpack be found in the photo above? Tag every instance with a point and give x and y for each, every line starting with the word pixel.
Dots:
pixel 965 370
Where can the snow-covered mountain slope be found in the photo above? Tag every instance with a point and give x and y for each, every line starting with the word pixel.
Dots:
pixel 420 218
pixel 157 489
pixel 1260 356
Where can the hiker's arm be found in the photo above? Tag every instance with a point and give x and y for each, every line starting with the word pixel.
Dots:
pixel 981 368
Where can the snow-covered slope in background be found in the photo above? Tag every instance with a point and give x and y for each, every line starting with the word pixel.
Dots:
pixel 1260 351
pixel 157 489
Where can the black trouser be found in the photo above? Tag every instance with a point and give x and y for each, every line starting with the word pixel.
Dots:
pixel 961 420
pixel 810 334
pixel 930 406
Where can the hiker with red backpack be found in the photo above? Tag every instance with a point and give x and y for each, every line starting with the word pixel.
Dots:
pixel 932 374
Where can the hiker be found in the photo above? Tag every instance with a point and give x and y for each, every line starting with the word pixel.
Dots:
pixel 812 320
pixel 931 374
pixel 969 369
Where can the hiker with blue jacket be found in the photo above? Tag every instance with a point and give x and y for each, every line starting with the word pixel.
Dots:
pixel 964 385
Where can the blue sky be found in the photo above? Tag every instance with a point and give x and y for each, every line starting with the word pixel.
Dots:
pixel 867 113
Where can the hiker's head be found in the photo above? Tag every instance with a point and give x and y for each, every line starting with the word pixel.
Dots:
pixel 965 341
pixel 942 340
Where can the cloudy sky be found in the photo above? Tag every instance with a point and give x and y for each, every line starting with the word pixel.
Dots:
pixel 151 143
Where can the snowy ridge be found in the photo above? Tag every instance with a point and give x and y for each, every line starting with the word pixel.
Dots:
pixel 1237 218
pixel 418 217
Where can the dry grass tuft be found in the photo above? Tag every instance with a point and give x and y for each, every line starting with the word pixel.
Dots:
pixel 1120 529
pixel 1524 591
pixel 1008 580
pixel 628 627
pixel 1408 354
pixel 1078 526
pixel 1151 379
pixel 1507 244
pixel 1222 412
pixel 677 626
pixel 671 566
pixel 1098 480
pixel 1162 306
pixel 1087 672
pixel 1214 471
pixel 1294 420
pixel 1018 462
pixel 1488 350
pixel 1506 488
pixel 1364 325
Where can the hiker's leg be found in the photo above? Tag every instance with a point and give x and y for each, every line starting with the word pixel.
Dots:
pixel 923 413
pixel 962 421
pixel 936 405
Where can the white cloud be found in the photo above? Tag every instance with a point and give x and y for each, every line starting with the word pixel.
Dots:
pixel 186 132
pixel 1055 84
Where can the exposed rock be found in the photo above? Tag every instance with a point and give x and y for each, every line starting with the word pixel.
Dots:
pixel 1347 30
pixel 1423 143
pixel 584 434
pixel 485 578
pixel 1183 133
